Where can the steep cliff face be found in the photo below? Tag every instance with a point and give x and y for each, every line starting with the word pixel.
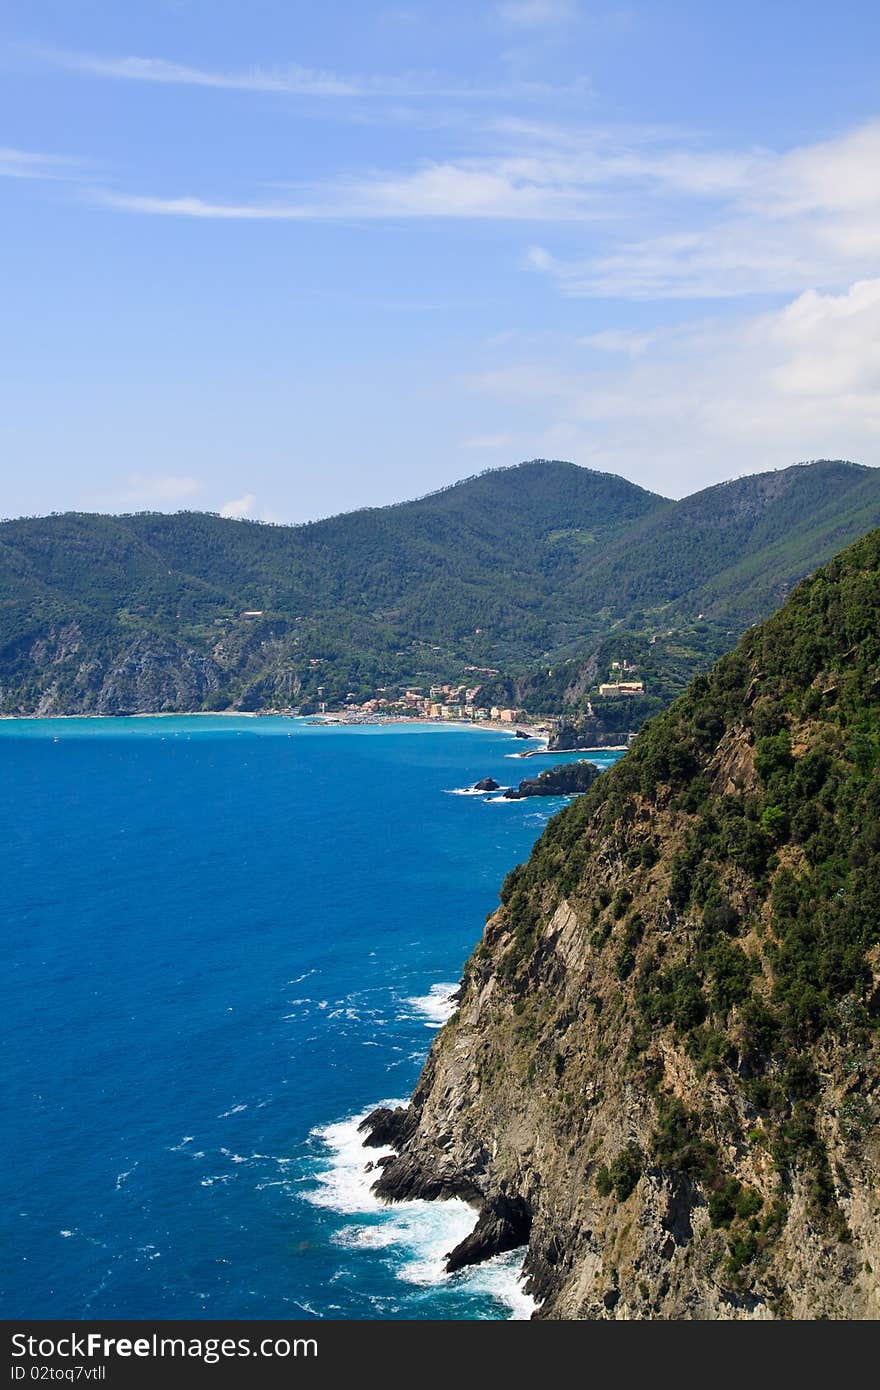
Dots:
pixel 62 671
pixel 663 1076
pixel 586 732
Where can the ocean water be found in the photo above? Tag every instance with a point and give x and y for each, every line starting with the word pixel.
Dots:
pixel 226 939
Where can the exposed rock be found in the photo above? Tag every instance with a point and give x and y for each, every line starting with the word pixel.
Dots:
pixel 582 732
pixel 566 780
pixel 384 1128
pixel 487 784
pixel 504 1224
pixel 597 1093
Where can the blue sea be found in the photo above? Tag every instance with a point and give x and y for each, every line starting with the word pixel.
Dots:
pixel 226 939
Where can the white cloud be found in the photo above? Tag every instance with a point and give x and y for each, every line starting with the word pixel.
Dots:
pixel 718 224
pixel 763 223
pixel 710 400
pixel 711 222
pixel 201 208
pixel 239 507
pixel 501 190
pixel 840 175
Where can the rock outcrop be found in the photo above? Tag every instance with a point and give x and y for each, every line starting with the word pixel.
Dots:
pixel 663 1077
pixel 581 732
pixel 568 779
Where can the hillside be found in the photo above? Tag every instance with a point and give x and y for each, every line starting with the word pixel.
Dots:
pixel 524 572
pixel 664 1072
pixel 146 611
pixel 697 555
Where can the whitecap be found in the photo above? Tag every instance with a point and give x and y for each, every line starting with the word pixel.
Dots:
pixel 468 791
pixel 502 1278
pixel 121 1177
pixel 437 1005
pixel 236 1110
pixel 417 1235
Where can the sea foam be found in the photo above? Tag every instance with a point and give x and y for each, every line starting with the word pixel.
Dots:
pixel 437 1006
pixel 470 791
pixel 418 1235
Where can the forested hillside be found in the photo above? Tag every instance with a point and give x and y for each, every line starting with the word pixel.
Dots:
pixel 522 572
pixel 664 1074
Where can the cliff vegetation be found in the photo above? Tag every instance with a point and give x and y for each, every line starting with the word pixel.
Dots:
pixel 663 1076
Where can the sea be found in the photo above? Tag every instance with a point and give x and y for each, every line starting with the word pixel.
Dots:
pixel 226 939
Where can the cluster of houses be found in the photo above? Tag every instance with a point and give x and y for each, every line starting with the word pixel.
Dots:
pixel 460 702
pixel 439 702
pixel 621 682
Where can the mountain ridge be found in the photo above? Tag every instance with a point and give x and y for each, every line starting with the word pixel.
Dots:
pixel 512 570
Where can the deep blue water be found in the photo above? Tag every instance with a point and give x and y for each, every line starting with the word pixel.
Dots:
pixel 221 937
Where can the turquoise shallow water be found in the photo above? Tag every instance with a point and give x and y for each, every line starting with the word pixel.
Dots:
pixel 225 939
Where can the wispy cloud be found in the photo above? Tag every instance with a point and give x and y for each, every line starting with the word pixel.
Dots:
pixel 765 223
pixel 500 190
pixel 726 223
pixel 708 400
pixel 292 79
pixel 26 164
pixel 713 223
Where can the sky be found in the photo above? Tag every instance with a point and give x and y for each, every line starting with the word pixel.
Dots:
pixel 279 259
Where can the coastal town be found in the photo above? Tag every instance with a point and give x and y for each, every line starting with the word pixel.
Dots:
pixel 453 703
pixel 461 703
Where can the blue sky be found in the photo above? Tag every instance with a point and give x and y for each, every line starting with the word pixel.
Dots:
pixel 283 259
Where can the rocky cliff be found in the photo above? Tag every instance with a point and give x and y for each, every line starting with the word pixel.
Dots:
pixel 663 1076
pixel 576 732
pixel 63 671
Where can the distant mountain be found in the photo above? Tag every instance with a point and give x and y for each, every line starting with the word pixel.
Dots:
pixel 737 548
pixel 677 588
pixel 524 571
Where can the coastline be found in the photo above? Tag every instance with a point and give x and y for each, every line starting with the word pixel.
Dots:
pixel 314 720
pixel 536 731
pixel 155 714
pixel 552 752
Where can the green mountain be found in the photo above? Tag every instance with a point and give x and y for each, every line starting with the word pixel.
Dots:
pixel 664 1073
pixel 523 571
